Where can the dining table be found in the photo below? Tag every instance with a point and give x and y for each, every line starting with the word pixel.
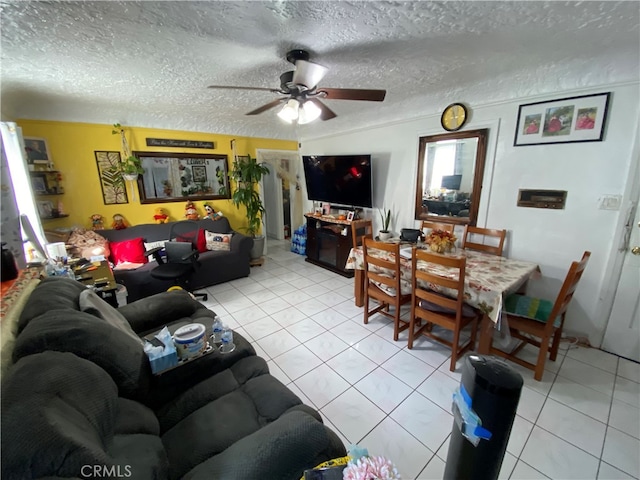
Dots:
pixel 488 280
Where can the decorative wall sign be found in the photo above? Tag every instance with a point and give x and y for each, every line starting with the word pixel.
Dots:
pixel 114 190
pixel 568 120
pixel 177 177
pixel 169 142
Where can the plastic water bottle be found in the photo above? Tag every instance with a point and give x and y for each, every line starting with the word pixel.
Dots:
pixel 217 330
pixel 227 340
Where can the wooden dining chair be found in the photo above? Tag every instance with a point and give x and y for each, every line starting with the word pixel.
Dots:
pixel 360 229
pixel 493 235
pixel 431 307
pixel 382 283
pixel 427 225
pixel 529 317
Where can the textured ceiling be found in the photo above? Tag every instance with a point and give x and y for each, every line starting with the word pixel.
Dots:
pixel 149 63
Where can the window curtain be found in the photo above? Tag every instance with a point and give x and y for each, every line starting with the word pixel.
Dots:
pixel 17 197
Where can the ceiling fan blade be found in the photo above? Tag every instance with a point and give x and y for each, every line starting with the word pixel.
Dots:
pixel 325 112
pixel 266 107
pixel 227 87
pixel 353 94
pixel 308 73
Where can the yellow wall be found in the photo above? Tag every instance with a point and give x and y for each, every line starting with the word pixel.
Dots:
pixel 72 147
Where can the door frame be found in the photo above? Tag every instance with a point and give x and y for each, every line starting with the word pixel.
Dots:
pixel 613 272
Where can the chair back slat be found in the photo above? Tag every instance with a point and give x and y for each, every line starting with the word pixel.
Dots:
pixel 361 229
pixel 494 235
pixel 391 274
pixel 427 225
pixel 568 289
pixel 451 276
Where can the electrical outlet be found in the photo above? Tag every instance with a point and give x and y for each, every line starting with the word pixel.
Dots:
pixel 609 202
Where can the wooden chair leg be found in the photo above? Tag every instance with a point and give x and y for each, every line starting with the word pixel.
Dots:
pixel 366 306
pixel 542 357
pixel 474 334
pixel 412 326
pixel 555 345
pixel 454 349
pixel 396 324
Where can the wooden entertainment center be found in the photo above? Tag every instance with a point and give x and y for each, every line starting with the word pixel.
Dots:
pixel 329 243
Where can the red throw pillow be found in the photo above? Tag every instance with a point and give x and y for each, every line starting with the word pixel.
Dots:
pixel 128 251
pixel 200 240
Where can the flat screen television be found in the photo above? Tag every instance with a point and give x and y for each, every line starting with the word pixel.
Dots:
pixel 339 179
pixel 451 182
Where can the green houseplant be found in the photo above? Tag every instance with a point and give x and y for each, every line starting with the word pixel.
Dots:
pixel 130 165
pixel 247 173
pixel 385 215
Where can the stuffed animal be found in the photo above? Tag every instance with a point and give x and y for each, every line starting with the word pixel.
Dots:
pixel 119 223
pixel 87 243
pixel 97 223
pixel 190 211
pixel 160 216
pixel 211 213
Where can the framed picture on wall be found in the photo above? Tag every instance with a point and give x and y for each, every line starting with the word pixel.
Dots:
pixel 36 150
pixel 39 183
pixel 567 120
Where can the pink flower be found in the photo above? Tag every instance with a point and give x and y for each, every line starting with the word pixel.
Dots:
pixel 371 468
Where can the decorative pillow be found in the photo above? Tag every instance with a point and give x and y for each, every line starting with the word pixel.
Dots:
pixel 159 243
pixel 128 251
pixel 218 241
pixel 91 303
pixel 87 243
pixel 200 241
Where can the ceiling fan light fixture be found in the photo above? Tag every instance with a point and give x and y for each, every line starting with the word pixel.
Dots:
pixel 308 113
pixel 289 112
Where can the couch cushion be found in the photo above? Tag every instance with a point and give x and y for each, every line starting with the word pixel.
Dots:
pixel 131 251
pixel 91 303
pixel 139 456
pixel 218 241
pixel 93 339
pixel 220 423
pixel 52 293
pixel 134 417
pixel 57 415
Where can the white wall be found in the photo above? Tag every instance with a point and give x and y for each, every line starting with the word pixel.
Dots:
pixel 552 238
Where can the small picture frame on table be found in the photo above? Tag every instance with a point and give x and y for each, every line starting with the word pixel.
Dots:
pixel 350 215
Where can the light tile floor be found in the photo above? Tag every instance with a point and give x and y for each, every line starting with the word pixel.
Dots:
pixel 581 421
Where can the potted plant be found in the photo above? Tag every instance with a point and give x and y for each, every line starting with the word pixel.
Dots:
pixel 130 165
pixel 384 233
pixel 247 173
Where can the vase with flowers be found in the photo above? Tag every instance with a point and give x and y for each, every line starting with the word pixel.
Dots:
pixel 441 241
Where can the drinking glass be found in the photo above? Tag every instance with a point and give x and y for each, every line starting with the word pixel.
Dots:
pixel 227 341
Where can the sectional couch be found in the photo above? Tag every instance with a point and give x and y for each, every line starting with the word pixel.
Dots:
pixel 80 401
pixel 215 266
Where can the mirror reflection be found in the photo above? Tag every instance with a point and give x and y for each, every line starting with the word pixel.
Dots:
pixel 450 171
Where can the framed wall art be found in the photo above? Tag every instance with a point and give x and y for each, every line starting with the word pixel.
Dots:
pixel 567 120
pixel 39 183
pixel 37 150
pixel 177 177
pixel 113 187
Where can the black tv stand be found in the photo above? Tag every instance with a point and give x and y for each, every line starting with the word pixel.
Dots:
pixel 329 243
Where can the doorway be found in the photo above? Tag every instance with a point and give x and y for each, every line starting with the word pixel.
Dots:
pixel 281 193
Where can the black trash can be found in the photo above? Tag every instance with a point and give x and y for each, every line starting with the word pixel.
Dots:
pixel 484 408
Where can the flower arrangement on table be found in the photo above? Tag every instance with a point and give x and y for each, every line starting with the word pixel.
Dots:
pixel 441 241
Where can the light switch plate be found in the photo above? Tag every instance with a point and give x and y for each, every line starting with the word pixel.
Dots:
pixel 609 202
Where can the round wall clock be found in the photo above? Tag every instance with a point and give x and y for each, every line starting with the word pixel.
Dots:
pixel 453 117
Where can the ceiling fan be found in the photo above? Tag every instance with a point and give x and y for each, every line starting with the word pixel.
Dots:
pixel 302 94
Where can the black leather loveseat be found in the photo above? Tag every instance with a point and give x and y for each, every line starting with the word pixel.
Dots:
pixel 216 266
pixel 80 401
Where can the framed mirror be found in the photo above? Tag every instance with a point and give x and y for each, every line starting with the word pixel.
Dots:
pixel 178 177
pixel 449 179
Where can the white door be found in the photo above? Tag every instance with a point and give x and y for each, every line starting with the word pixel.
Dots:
pixel 272 194
pixel 622 336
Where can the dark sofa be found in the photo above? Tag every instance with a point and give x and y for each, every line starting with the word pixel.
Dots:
pixel 216 266
pixel 81 392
